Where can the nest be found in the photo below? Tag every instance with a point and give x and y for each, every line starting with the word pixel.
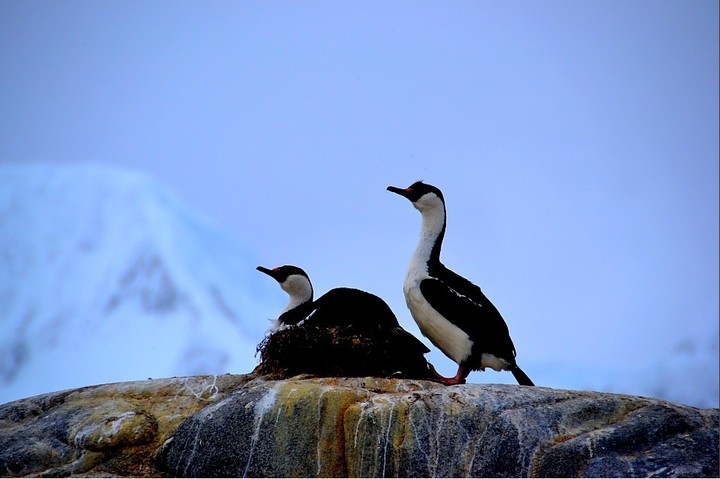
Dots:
pixel 341 351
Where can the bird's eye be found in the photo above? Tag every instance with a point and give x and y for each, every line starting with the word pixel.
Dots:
pixel 276 269
pixel 408 189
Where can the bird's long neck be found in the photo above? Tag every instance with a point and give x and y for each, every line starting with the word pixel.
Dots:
pixel 427 252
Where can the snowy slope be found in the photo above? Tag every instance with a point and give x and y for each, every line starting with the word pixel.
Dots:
pixel 105 276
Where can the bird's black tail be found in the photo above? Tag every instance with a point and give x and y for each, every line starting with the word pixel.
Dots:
pixel 521 377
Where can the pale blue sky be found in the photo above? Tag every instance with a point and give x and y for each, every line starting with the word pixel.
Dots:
pixel 576 143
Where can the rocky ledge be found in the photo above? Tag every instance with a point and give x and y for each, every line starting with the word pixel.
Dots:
pixel 300 427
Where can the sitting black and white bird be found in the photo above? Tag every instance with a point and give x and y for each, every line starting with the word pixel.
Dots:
pixel 452 312
pixel 365 337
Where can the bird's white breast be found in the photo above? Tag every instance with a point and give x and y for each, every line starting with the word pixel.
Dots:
pixel 450 339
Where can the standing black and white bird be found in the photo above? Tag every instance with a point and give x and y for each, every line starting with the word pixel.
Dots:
pixel 450 310
pixel 357 314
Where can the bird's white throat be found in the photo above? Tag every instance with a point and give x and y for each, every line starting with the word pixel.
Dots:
pixel 299 289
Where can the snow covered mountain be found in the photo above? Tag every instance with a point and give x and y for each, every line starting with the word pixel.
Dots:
pixel 106 276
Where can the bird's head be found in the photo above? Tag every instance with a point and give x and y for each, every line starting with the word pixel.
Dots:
pixel 293 280
pixel 424 197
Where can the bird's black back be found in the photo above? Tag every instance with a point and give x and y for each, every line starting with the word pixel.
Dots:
pixel 343 306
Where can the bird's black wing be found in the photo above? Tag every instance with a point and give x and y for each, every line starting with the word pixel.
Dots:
pixel 464 287
pixel 474 315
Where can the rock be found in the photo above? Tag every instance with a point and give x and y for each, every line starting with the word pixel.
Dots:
pixel 250 426
pixel 112 429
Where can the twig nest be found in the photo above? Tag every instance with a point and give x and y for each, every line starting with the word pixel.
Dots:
pixel 341 351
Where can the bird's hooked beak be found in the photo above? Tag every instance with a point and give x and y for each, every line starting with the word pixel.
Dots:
pixel 270 272
pixel 404 192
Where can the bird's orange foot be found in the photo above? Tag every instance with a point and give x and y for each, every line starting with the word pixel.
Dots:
pixel 458 379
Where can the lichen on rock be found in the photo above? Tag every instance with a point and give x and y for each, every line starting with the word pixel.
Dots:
pixel 111 429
